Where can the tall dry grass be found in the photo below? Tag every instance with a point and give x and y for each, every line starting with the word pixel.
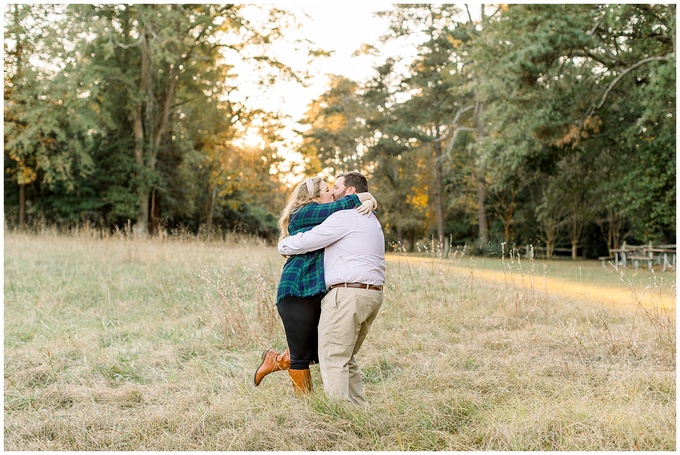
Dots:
pixel 116 343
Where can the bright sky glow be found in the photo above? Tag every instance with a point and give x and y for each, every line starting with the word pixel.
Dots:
pixel 250 139
pixel 340 28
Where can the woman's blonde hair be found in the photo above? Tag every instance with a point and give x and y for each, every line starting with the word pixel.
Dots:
pixel 302 195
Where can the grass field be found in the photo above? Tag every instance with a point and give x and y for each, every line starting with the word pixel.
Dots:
pixel 122 344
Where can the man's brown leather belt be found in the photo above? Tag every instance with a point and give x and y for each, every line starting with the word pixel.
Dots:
pixel 371 287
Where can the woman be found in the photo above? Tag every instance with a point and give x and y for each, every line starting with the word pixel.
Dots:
pixel 302 284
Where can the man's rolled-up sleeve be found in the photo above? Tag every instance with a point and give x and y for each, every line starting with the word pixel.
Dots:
pixel 330 231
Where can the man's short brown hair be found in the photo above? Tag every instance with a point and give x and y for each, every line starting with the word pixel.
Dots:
pixel 355 179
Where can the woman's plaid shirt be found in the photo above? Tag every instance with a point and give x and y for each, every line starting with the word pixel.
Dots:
pixel 302 274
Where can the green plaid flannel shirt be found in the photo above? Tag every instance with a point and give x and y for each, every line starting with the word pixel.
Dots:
pixel 302 274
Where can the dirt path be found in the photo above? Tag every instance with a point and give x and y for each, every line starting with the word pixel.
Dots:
pixel 620 294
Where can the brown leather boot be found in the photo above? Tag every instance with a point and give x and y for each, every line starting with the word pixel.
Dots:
pixel 302 381
pixel 271 361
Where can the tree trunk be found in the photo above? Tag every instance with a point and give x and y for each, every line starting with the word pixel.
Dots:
pixel 478 180
pixel 141 227
pixel 438 190
pixel 481 211
pixel 22 207
pixel 211 211
pixel 507 220
pixel 575 231
pixel 19 55
pixel 154 213
pixel 612 228
pixel 616 228
pixel 550 226
pixel 151 125
pixel 146 160
pixel 163 119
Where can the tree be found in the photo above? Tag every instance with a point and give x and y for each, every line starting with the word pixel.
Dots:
pixel 401 172
pixel 134 90
pixel 568 88
pixel 336 128
pixel 49 124
pixel 432 103
pixel 171 44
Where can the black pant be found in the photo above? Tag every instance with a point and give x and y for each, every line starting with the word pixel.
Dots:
pixel 300 318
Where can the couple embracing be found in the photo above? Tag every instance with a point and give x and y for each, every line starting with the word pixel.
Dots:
pixel 331 285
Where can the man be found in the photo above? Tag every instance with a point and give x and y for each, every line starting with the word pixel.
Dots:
pixel 354 273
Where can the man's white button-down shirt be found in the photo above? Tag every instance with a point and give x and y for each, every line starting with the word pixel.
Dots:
pixel 355 247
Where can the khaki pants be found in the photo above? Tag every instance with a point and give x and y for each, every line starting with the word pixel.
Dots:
pixel 346 316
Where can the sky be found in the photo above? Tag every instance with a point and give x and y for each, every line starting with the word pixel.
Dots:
pixel 338 27
pixel 341 28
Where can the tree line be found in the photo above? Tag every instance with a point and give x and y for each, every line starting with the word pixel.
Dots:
pixel 549 125
pixel 120 115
